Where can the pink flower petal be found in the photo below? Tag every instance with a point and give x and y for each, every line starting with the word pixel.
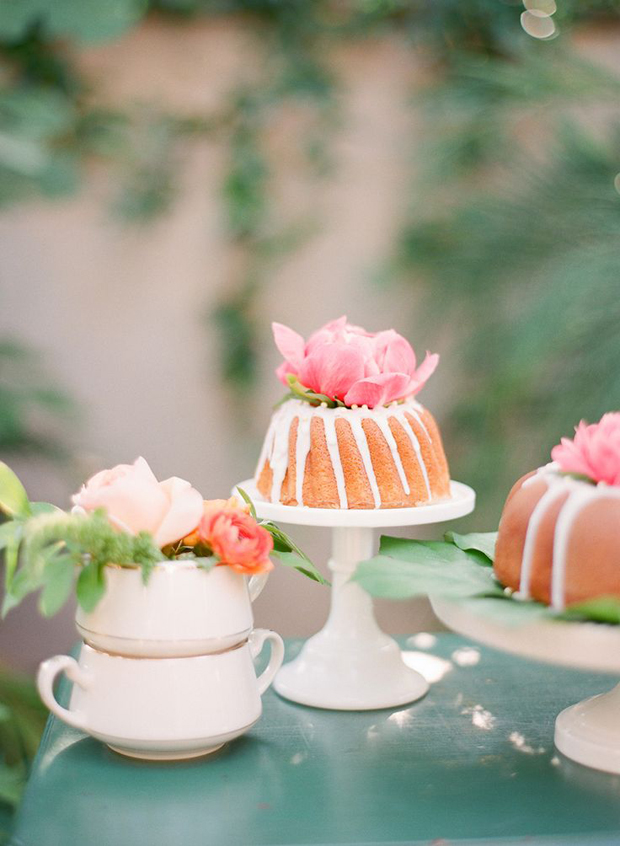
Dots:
pixel 378 390
pixel 423 373
pixel 331 369
pixel 289 343
pixel 594 451
pixel 185 509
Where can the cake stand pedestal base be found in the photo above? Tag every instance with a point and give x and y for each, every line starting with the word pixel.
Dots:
pixel 351 665
pixel 589 732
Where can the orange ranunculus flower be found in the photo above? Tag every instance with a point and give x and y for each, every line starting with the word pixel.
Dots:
pixel 209 505
pixel 237 539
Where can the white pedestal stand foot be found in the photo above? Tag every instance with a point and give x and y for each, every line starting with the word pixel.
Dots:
pixel 589 732
pixel 351 665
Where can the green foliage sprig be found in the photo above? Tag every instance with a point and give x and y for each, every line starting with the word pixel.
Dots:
pixel 45 549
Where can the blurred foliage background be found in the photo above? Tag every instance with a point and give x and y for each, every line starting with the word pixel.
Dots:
pixel 511 217
pixel 512 209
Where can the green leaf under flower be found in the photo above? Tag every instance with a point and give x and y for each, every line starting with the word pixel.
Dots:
pixel 300 391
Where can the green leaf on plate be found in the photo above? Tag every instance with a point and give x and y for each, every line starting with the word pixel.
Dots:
pixel 481 541
pixel 603 609
pixel 442 570
pixel 428 551
pixel 13 497
pixel 90 586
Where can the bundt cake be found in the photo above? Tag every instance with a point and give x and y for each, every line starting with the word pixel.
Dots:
pixel 559 534
pixel 350 434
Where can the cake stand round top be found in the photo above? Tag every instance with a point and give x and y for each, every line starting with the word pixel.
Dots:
pixel 461 502
pixel 581 645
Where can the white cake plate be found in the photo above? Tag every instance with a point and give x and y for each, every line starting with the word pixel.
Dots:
pixel 588 732
pixel 351 665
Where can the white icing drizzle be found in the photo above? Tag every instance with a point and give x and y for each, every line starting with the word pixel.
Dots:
pixel 276 445
pixel 404 422
pixel 362 446
pixel 301 453
pixel 540 509
pixel 331 438
pixel 580 494
pixel 384 426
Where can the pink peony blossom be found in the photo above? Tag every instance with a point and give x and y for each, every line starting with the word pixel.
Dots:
pixel 348 363
pixel 136 502
pixel 594 451
pixel 237 539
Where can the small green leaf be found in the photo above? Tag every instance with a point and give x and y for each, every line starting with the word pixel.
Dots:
pixel 58 582
pixel 13 497
pixel 11 553
pixel 481 541
pixel 39 508
pixel 301 564
pixel 207 562
pixel 90 586
pixel 246 498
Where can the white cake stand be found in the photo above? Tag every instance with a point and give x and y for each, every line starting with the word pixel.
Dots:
pixel 588 732
pixel 351 665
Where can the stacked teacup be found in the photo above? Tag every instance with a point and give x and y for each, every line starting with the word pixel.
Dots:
pixel 166 668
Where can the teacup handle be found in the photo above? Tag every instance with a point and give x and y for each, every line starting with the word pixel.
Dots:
pixel 48 671
pixel 256 585
pixel 257 640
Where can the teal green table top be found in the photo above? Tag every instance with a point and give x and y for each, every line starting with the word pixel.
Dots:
pixel 472 762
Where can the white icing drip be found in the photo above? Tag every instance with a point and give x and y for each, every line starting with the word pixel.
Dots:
pixel 384 426
pixel 402 419
pixel 278 457
pixel 547 473
pixel 362 446
pixel 301 453
pixel 331 438
pixel 540 509
pixel 581 496
pixel 276 446
pixel 413 411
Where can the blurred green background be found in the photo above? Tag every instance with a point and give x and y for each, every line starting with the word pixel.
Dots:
pixel 502 251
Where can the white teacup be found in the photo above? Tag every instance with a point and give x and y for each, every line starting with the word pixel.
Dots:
pixel 183 610
pixel 163 708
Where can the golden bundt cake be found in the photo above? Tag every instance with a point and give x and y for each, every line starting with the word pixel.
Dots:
pixel 386 457
pixel 559 534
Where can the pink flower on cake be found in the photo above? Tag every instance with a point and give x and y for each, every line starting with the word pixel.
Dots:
pixel 594 451
pixel 136 502
pixel 352 365
pixel 236 538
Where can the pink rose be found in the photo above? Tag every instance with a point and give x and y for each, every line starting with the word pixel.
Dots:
pixel 348 363
pixel 136 502
pixel 594 451
pixel 237 539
